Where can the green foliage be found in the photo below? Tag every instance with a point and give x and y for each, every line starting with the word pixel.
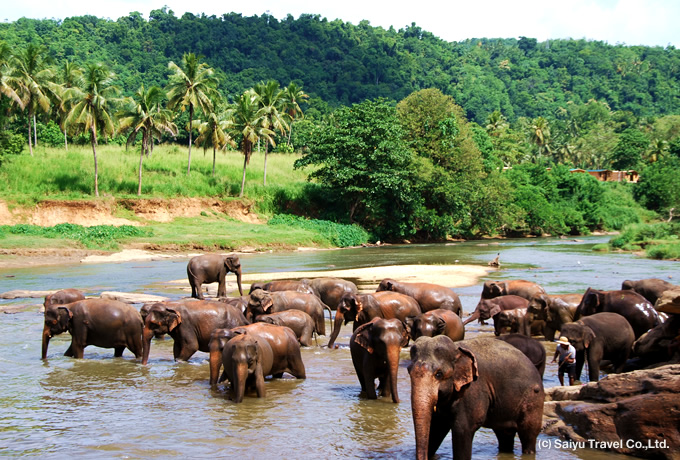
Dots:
pixel 660 240
pixel 96 237
pixel 11 144
pixel 659 185
pixel 339 235
pixel 50 134
pixel 628 151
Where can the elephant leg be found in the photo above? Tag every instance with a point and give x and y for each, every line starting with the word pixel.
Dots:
pixel 462 444
pixel 118 352
pixel 548 333
pixel 439 428
pixel 222 288
pixel 77 350
pixel 368 383
pixel 506 439
pixel 306 336
pixel 580 360
pixel 136 346
pixel 69 350
pixel 278 375
pixel 183 350
pixel 259 382
pixel 593 369
pixel 296 367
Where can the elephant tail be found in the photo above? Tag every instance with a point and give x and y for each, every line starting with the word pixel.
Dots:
pixel 330 317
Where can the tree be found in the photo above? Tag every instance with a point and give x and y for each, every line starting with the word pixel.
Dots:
pixel 214 132
pixel 144 114
pixel 248 123
pixel 628 151
pixel 36 83
pixel 293 95
pixel 93 105
pixel 8 82
pixel 71 75
pixel 192 85
pixel 270 100
pixel 539 135
pixel 362 160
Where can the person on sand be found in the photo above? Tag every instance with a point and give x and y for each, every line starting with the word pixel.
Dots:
pixel 567 355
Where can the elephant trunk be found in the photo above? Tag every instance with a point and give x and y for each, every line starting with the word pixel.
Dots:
pixel 45 341
pixel 238 281
pixel 147 335
pixel 424 389
pixel 393 366
pixel 337 324
pixel 472 317
pixel 238 384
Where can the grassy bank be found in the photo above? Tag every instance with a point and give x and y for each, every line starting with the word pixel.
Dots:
pixel 659 240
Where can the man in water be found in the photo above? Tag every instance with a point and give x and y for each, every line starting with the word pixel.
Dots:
pixel 567 355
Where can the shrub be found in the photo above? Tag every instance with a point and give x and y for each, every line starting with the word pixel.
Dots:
pixel 339 235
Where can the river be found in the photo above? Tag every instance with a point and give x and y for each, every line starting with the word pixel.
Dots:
pixel 101 407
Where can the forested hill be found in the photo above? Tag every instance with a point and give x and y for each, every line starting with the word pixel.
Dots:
pixel 339 63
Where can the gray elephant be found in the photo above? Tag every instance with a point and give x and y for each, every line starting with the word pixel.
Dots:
pixel 436 322
pixel 375 348
pixel 489 308
pixel 331 290
pixel 282 285
pixel 250 353
pixel 522 288
pixel 639 312
pixel 514 319
pixel 554 309
pixel 660 344
pixel 531 348
pixel 213 268
pixel 264 303
pixel 298 321
pixel 429 296
pixel 597 337
pixel 189 323
pixel 649 288
pixel 100 322
pixel 463 386
pixel 62 297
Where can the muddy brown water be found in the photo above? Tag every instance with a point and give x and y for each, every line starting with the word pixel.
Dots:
pixel 101 407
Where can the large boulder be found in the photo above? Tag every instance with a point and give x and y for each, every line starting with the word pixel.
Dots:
pixel 669 302
pixel 635 413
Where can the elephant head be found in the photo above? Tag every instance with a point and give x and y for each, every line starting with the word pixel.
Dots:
pixel 233 264
pixel 385 285
pixel 504 319
pixel 57 321
pixel 440 372
pixel 426 326
pixel 259 303
pixel 385 338
pixel 218 340
pixel 538 306
pixel 241 353
pixel 161 318
pixel 580 336
pixel 493 289
pixel 589 303
pixel 348 309
pixel 485 309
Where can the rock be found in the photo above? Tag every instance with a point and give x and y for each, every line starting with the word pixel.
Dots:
pixel 21 294
pixel 635 413
pixel 131 297
pixel 669 302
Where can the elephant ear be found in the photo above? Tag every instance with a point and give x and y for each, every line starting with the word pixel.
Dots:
pixel 494 310
pixel 267 303
pixel 440 326
pixel 64 316
pixel 174 320
pixel 465 369
pixel 362 336
pixel 588 336
pixel 232 263
pixel 408 323
pixel 405 336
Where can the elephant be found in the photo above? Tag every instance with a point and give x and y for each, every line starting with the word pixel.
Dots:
pixel 600 336
pixel 649 288
pixel 463 386
pixel 361 308
pixel 100 322
pixel 514 319
pixel 489 308
pixel 264 302
pixel 375 348
pixel 282 285
pixel 657 344
pixel 436 322
pixel 522 288
pixel 298 321
pixel 429 296
pixel 189 323
pixel 213 268
pixel 250 353
pixel 636 309
pixel 331 290
pixel 531 348
pixel 555 310
pixel 62 297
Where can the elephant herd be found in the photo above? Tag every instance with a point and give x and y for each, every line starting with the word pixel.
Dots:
pixel 455 383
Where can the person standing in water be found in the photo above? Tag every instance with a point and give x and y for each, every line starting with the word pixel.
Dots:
pixel 567 355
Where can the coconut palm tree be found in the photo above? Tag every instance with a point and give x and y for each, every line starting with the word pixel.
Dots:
pixel 37 81
pixel 143 113
pixel 93 105
pixel 269 99
pixel 496 123
pixel 539 135
pixel 192 85
pixel 292 97
pixel 8 82
pixel 249 124
pixel 71 75
pixel 215 132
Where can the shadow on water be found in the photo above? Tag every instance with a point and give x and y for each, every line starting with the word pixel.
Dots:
pixel 103 407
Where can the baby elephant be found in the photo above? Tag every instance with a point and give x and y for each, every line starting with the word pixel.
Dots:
pixel 99 322
pixel 436 322
pixel 375 348
pixel 300 322
pixel 250 353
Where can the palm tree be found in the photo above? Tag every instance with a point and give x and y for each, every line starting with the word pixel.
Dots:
pixel 8 82
pixel 214 132
pixel 539 135
pixel 270 98
pixel 37 82
pixel 292 96
pixel 71 75
pixel 496 123
pixel 248 123
pixel 144 114
pixel 191 85
pixel 92 107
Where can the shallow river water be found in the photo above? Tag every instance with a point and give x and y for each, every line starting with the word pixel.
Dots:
pixel 101 407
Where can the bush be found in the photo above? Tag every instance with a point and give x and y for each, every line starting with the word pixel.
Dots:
pixel 50 134
pixel 339 235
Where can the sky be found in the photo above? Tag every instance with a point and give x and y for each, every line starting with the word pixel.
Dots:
pixel 629 22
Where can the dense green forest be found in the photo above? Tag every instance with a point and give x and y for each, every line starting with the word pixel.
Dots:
pixel 405 133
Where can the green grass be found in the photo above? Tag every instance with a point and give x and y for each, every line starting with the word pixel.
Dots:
pixel 659 240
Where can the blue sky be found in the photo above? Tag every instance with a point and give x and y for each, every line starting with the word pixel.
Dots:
pixel 631 22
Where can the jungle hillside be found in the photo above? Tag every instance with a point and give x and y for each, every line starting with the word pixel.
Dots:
pixel 396 133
